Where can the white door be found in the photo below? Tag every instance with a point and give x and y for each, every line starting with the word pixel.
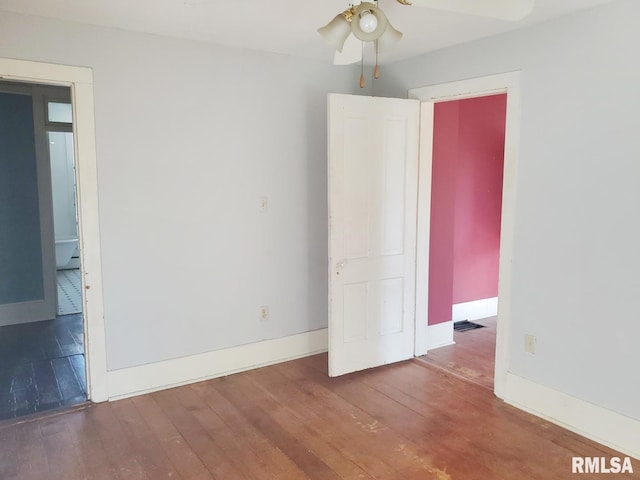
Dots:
pixel 373 179
pixel 27 263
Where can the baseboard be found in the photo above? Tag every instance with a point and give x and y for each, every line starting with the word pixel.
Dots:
pixel 129 382
pixel 440 335
pixel 594 422
pixel 486 307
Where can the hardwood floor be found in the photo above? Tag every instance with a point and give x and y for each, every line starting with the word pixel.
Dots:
pixel 290 421
pixel 473 355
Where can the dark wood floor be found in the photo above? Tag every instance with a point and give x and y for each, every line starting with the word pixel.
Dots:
pixel 290 421
pixel 41 366
pixel 473 355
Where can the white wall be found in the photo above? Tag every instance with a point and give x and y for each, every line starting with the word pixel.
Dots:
pixel 189 136
pixel 576 257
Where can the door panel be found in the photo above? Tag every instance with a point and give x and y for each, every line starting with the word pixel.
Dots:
pixel 27 265
pixel 373 175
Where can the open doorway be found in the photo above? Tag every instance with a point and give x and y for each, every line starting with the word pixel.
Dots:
pixel 41 319
pixel 430 337
pixel 80 81
pixel 464 246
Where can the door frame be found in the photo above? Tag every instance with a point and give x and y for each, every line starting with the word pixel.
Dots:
pixel 508 83
pixel 80 81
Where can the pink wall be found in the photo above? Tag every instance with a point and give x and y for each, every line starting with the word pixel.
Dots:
pixel 445 152
pixel 466 200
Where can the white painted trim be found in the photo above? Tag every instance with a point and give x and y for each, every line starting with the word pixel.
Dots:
pixel 440 335
pixel 423 228
pixel 151 377
pixel 44 73
pixel 501 83
pixel 594 422
pixel 80 80
pixel 469 88
pixel 474 310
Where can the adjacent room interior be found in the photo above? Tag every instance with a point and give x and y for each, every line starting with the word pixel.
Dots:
pixel 41 322
pixel 464 247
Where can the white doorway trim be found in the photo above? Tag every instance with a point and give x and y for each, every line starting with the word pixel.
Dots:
pixel 508 83
pixel 80 80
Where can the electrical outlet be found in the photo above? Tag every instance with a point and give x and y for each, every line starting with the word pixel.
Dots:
pixel 264 313
pixel 530 343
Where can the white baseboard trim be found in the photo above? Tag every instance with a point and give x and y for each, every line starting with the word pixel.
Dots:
pixel 440 335
pixel 594 422
pixel 486 307
pixel 129 382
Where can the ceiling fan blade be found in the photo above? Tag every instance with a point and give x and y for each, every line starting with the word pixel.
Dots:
pixel 389 38
pixel 351 52
pixel 501 9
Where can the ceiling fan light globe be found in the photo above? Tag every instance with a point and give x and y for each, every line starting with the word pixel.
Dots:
pixel 374 11
pixel 336 32
pixel 368 22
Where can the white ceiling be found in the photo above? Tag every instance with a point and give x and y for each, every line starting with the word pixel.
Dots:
pixel 284 26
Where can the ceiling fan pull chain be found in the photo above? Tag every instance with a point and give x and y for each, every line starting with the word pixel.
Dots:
pixel 376 71
pixel 362 68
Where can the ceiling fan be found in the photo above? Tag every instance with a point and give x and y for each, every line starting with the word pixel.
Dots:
pixel 351 29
